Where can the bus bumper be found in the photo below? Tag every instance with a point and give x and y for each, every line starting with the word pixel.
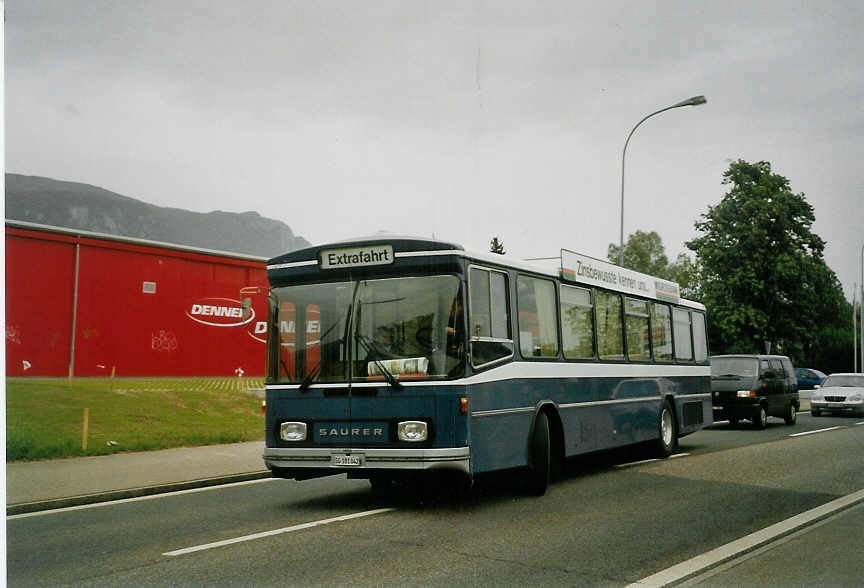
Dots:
pixel 292 462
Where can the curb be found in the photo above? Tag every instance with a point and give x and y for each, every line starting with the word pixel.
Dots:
pixel 83 499
pixel 697 567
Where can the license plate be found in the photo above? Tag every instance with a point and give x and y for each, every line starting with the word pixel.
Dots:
pixel 346 460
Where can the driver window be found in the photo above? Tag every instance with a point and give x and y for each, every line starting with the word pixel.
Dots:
pixel 489 319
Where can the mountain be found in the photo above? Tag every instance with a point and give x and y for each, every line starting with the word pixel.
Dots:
pixel 90 208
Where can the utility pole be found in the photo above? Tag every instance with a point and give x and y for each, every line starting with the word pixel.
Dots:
pixel 854 331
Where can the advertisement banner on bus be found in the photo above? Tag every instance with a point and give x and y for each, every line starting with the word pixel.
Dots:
pixel 587 270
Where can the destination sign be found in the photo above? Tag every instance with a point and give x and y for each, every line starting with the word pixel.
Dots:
pixel 356 256
pixel 587 270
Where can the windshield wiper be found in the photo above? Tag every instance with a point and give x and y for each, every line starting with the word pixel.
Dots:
pixel 310 377
pixel 370 353
pixel 727 376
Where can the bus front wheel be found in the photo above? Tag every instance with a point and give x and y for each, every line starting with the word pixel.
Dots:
pixel 541 457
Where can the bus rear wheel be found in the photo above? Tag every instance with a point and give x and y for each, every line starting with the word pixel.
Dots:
pixel 541 457
pixel 668 440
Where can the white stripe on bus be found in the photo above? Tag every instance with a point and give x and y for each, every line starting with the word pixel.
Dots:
pixel 541 370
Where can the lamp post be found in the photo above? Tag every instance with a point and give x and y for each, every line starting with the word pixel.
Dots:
pixel 694 101
pixel 861 307
pixel 854 330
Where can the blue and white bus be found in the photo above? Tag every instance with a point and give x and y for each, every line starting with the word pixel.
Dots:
pixel 399 357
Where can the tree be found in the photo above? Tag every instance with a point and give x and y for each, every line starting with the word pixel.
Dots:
pixel 643 252
pixel 496 246
pixel 685 272
pixel 828 347
pixel 761 272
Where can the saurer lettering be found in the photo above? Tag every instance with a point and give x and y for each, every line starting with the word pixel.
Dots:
pixel 353 431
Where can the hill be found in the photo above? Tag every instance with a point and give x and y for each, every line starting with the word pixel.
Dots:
pixel 90 208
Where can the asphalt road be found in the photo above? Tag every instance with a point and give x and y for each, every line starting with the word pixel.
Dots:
pixel 606 522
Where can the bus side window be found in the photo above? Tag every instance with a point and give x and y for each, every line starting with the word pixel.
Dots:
pixel 681 326
pixel 638 339
pixel 610 335
pixel 577 322
pixel 700 339
pixel 538 317
pixel 661 331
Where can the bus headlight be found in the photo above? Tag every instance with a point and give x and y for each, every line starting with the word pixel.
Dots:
pixel 412 431
pixel 292 431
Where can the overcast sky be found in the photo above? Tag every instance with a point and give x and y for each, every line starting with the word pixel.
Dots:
pixel 462 119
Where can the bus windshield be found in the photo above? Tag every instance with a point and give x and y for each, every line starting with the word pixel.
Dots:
pixel 411 328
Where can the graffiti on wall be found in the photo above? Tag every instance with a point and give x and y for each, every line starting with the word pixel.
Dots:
pixel 164 341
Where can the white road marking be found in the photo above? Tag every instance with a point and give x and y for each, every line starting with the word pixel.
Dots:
pixel 263 534
pixel 693 566
pixel 727 565
pixel 817 431
pixel 634 463
pixel 135 499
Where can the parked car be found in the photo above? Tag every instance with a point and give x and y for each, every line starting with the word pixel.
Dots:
pixel 808 378
pixel 754 387
pixel 839 393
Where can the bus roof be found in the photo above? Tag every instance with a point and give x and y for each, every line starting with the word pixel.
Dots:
pixel 569 267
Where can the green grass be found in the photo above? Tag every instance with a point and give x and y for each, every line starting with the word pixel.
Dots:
pixel 45 416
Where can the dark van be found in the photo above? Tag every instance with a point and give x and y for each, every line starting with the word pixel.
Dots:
pixel 753 387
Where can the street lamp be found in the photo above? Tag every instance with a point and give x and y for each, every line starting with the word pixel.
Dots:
pixel 861 306
pixel 854 329
pixel 694 101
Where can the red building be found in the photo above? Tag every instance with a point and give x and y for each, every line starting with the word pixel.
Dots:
pixel 86 303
